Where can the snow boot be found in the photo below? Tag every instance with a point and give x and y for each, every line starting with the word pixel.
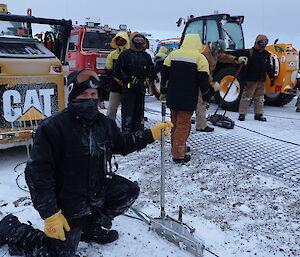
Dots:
pixel 206 129
pixel 298 110
pixel 260 117
pixel 22 239
pixel 7 225
pixel 242 117
pixel 100 235
pixel 186 158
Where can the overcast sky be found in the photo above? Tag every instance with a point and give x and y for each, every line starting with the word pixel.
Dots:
pixel 276 19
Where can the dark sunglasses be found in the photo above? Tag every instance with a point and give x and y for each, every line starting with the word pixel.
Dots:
pixel 263 41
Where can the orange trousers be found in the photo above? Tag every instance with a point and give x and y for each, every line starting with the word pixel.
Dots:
pixel 180 132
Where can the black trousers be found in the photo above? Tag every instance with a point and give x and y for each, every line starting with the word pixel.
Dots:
pixel 119 195
pixel 133 103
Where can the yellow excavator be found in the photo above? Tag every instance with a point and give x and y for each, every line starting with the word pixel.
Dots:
pixel 31 76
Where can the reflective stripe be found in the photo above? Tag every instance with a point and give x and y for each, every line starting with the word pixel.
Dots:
pixel 182 59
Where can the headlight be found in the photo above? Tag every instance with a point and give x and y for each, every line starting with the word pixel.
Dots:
pixel 100 63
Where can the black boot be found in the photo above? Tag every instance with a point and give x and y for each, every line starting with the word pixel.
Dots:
pixel 186 158
pixel 241 117
pixel 99 235
pixel 7 225
pixel 206 129
pixel 260 117
pixel 23 239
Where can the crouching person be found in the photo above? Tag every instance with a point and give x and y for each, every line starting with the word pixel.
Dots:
pixel 67 176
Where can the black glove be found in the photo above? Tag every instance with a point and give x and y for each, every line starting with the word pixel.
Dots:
pixel 156 78
pixel 272 82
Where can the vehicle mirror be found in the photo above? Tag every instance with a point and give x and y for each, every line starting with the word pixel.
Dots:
pixel 72 46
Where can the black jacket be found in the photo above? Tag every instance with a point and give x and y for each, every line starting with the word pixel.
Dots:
pixel 66 166
pixel 134 63
pixel 184 72
pixel 113 85
pixel 258 66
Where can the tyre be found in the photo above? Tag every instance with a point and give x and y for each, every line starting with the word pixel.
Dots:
pixel 225 76
pixel 277 99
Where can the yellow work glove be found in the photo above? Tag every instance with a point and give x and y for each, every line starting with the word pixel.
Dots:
pixel 147 82
pixel 134 80
pixel 163 97
pixel 56 225
pixel 156 130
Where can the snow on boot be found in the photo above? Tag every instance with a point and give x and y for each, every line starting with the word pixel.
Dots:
pixel 23 239
pixel 7 225
pixel 100 235
pixel 260 117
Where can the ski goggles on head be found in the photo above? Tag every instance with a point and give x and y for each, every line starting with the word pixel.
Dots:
pixel 76 89
pixel 91 82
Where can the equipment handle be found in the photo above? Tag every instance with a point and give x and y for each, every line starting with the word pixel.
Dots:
pixel 162 165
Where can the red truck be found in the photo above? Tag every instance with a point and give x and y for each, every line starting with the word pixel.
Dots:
pixel 89 45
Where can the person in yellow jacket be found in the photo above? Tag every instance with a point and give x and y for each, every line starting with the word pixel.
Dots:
pixel 162 53
pixel 159 59
pixel 121 43
pixel 184 72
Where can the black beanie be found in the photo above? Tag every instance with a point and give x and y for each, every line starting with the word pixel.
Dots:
pixel 73 86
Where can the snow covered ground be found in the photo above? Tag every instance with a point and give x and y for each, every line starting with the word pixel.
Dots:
pixel 239 209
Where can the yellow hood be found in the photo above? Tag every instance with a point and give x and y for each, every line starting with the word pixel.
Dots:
pixel 259 37
pixel 162 53
pixel 122 34
pixel 192 42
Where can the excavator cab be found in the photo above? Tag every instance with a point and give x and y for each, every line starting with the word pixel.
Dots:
pixel 218 27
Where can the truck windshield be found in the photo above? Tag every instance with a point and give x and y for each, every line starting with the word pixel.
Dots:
pixel 14 29
pixel 96 40
pixel 23 48
pixel 233 35
pixel 170 47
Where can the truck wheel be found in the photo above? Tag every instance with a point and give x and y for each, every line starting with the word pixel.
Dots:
pixel 277 99
pixel 155 87
pixel 225 76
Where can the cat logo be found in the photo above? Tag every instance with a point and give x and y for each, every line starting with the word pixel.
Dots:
pixel 33 104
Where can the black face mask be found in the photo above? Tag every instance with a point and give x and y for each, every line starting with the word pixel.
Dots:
pixel 138 45
pixel 262 43
pixel 85 108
